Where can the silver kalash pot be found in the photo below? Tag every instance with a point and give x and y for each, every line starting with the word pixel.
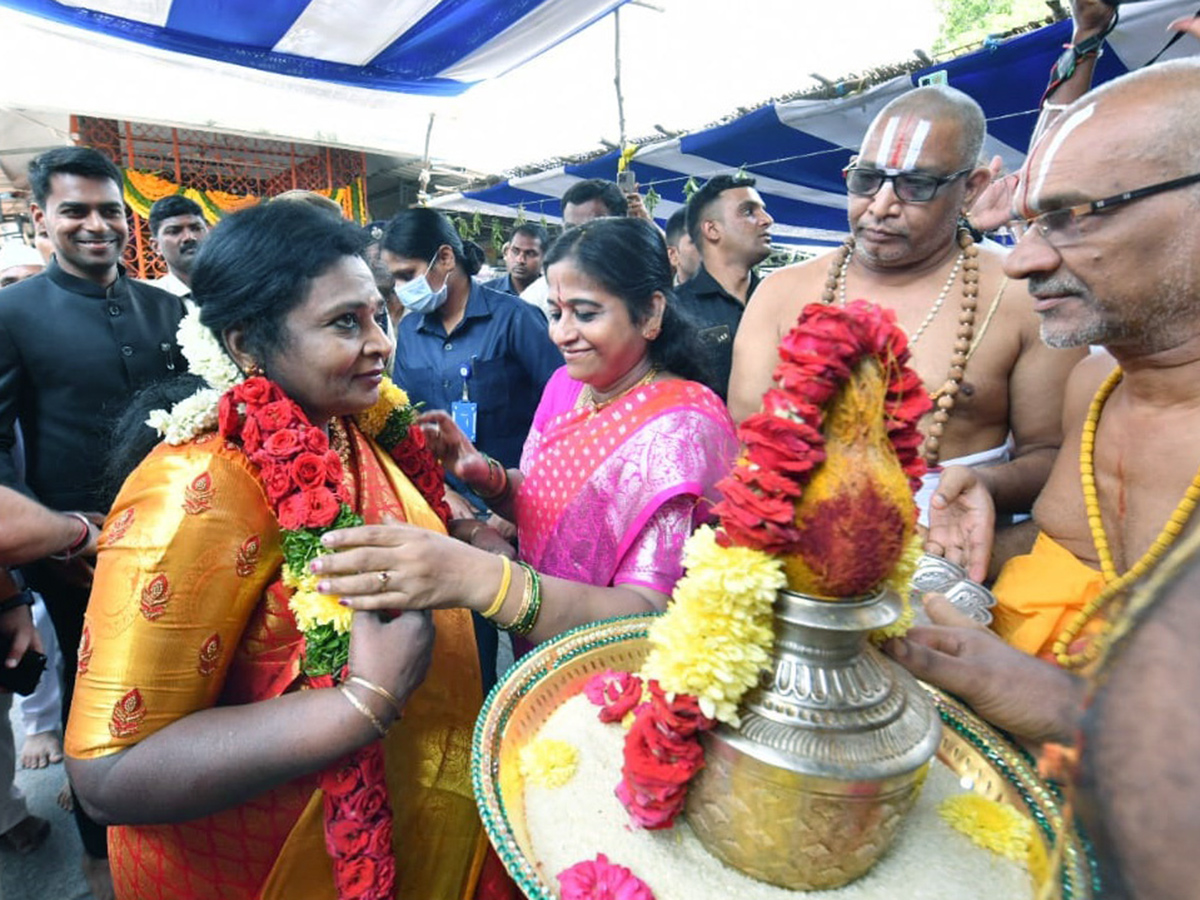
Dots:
pixel 832 750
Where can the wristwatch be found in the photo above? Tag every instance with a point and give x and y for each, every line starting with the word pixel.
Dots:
pixel 20 598
pixel 1065 66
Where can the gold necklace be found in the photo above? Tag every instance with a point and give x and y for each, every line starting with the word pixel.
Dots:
pixel 339 442
pixel 1114 584
pixel 587 397
pixel 944 397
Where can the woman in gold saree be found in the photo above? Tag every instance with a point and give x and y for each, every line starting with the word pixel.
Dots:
pixel 240 730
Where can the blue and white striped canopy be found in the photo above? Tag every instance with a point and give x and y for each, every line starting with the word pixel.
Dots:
pixel 438 47
pixel 796 150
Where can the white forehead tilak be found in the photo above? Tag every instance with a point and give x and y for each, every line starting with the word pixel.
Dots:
pixel 1072 122
pixel 902 141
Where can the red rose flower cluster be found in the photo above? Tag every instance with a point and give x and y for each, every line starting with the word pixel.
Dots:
pixel 419 466
pixel 300 473
pixel 599 879
pixel 358 826
pixel 616 693
pixel 783 442
pixel 662 755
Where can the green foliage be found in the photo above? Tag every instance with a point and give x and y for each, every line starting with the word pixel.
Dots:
pixel 302 546
pixel 325 651
pixel 966 22
pixel 521 218
pixel 651 200
pixel 690 187
pixel 497 239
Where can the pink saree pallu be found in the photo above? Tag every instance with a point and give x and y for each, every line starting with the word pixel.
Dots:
pixel 611 494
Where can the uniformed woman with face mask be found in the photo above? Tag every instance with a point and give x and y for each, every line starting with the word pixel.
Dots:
pixel 481 355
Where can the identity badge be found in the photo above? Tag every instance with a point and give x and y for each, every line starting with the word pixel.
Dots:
pixel 464 413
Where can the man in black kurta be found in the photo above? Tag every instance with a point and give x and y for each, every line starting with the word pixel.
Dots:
pixel 730 226
pixel 76 343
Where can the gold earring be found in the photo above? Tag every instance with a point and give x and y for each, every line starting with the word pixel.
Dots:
pixel 254 370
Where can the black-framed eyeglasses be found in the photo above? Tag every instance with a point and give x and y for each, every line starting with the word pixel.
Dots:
pixel 912 187
pixel 1061 226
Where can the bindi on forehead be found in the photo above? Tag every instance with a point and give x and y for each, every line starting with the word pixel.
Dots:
pixel 901 142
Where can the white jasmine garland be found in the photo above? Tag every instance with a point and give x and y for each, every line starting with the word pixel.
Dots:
pixel 188 418
pixel 194 415
pixel 204 353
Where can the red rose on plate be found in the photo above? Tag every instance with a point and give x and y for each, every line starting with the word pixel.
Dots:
pixel 617 693
pixel 679 714
pixel 308 470
pixel 598 878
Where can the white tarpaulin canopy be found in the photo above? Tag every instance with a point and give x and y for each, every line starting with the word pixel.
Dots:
pixel 365 74
pixel 797 149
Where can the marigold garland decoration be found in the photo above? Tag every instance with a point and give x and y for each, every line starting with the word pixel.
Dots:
pixel 715 637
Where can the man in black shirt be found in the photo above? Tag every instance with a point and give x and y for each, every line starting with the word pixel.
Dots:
pixel 730 226
pixel 76 343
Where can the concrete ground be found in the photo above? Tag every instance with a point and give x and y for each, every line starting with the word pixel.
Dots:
pixel 52 871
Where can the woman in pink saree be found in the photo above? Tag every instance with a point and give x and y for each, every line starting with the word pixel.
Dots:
pixel 618 469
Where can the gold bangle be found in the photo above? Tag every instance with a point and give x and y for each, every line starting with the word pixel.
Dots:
pixel 365 710
pixel 526 600
pixel 381 691
pixel 531 605
pixel 505 581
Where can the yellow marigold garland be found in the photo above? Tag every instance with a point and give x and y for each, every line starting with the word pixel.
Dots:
pixel 715 638
pixel 901 582
pixel 311 607
pixel 391 396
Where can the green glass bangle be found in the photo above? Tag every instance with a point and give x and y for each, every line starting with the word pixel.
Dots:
pixel 525 622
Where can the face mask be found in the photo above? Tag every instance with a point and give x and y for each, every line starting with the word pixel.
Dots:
pixel 417 295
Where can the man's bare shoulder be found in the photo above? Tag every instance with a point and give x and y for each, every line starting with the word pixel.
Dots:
pixel 794 286
pixel 1083 382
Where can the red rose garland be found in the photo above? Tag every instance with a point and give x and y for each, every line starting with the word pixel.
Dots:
pixel 783 442
pixel 303 478
pixel 783 448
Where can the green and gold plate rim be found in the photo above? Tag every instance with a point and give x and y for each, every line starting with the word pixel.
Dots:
pixel 547 676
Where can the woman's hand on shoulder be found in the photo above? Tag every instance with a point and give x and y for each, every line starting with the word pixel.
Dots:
pixel 401 567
